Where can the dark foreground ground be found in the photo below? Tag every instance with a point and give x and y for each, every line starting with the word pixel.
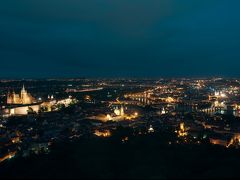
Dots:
pixel 142 157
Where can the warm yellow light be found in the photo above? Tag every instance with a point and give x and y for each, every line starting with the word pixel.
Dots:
pixel 109 117
pixel 105 133
pixel 182 132
pixel 223 95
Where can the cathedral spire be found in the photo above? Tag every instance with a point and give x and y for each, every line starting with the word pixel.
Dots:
pixel 23 88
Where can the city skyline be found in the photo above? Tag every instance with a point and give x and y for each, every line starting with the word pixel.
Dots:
pixel 121 127
pixel 126 89
pixel 119 39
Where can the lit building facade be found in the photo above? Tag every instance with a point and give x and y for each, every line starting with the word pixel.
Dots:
pixel 23 98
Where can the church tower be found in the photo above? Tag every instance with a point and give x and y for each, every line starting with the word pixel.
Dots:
pixel 24 95
pixel 15 98
pixel 9 98
pixel 23 92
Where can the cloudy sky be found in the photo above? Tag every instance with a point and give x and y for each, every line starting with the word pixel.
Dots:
pixel 119 38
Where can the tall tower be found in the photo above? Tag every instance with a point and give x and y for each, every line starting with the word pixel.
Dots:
pixel 24 96
pixel 163 111
pixel 14 95
pixel 9 98
pixel 23 92
pixel 122 111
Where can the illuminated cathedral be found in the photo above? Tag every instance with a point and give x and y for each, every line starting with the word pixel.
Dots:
pixel 23 98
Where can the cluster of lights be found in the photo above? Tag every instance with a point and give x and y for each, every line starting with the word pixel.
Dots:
pixel 105 133
pixel 125 139
pixel 133 116
pixel 8 156
pixel 151 130
pixel 182 132
pixel 235 139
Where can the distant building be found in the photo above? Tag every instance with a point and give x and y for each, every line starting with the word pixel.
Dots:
pixel 23 98
pixel 23 110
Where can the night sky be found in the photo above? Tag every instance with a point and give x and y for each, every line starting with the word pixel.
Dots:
pixel 119 38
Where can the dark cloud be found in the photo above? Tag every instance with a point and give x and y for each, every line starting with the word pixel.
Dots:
pixel 119 38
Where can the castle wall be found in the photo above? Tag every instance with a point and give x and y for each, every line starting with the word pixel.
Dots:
pixel 24 110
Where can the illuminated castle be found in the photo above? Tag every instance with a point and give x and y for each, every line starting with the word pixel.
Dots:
pixel 23 98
